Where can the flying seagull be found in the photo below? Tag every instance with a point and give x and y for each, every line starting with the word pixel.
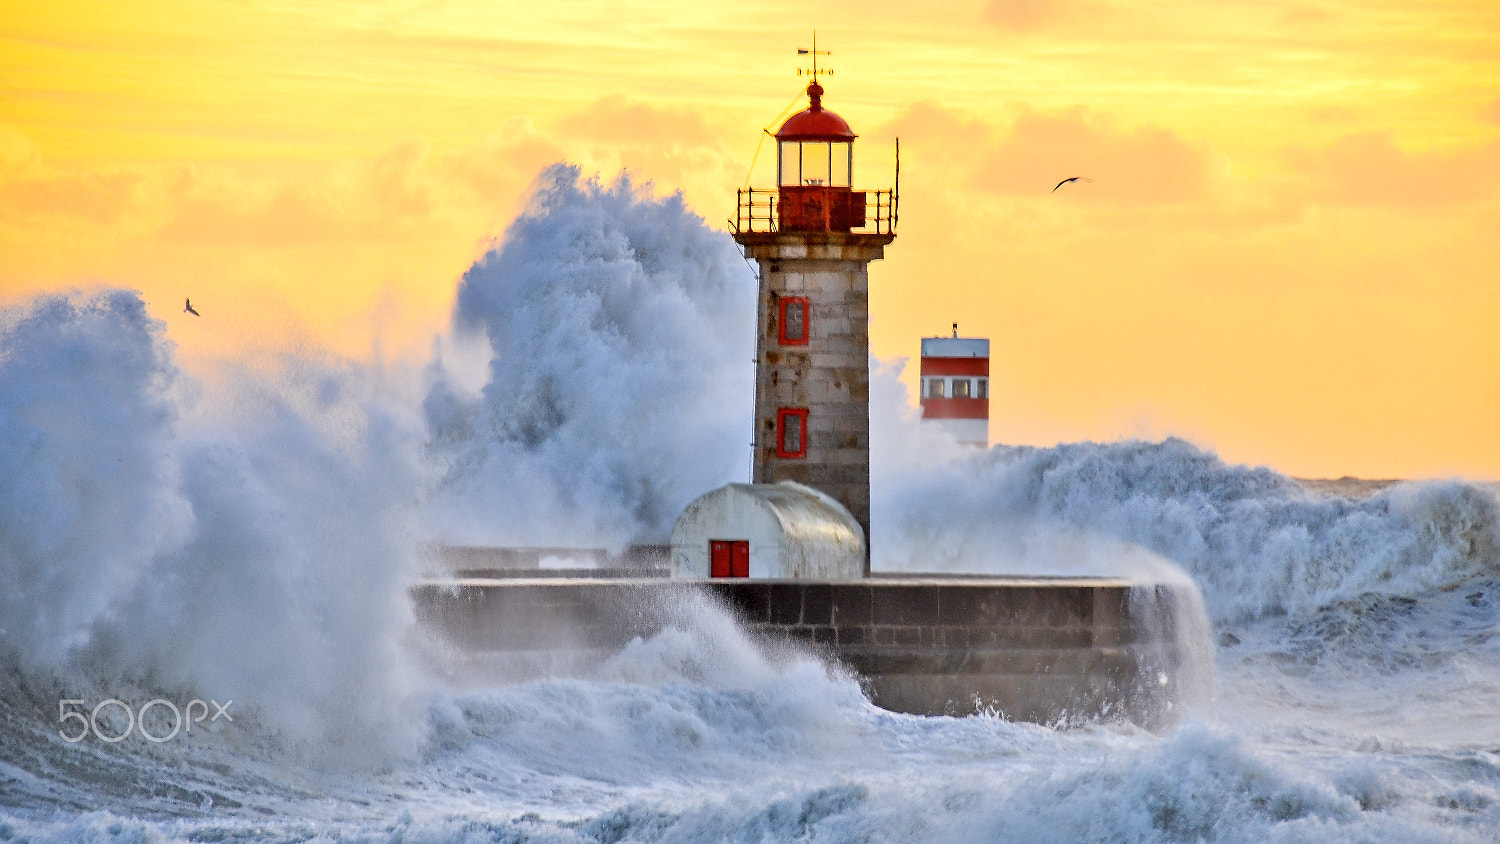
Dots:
pixel 1070 179
pixel 187 307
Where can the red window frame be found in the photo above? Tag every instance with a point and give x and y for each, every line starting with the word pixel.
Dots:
pixel 781 335
pixel 781 416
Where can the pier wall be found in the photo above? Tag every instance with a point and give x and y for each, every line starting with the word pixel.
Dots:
pixel 1031 649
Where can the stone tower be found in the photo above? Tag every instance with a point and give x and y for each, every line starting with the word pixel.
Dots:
pixel 813 238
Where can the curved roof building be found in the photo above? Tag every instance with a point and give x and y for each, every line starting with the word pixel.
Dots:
pixel 780 530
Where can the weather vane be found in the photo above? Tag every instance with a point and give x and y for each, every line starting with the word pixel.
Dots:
pixel 814 52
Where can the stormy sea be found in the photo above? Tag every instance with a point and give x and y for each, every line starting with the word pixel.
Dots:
pixel 205 633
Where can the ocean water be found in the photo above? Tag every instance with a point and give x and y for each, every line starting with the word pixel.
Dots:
pixel 246 539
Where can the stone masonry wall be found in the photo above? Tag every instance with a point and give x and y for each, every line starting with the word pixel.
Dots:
pixel 830 375
pixel 1033 650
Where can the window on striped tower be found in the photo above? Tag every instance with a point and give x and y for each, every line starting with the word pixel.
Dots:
pixel 960 388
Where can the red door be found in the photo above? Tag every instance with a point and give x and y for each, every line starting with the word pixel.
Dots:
pixel 728 558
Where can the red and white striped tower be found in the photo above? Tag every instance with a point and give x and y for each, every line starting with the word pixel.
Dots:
pixel 956 386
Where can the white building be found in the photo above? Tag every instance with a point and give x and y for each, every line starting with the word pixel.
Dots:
pixel 780 530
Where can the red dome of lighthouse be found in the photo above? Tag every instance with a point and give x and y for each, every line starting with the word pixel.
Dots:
pixel 815 123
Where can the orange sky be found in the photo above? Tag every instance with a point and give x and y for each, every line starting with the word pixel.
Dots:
pixel 1290 252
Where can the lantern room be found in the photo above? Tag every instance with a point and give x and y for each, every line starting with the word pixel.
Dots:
pixel 815 190
pixel 815 147
pixel 815 169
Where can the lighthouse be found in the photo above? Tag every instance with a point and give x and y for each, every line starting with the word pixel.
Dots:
pixel 813 237
pixel 956 387
pixel 788 553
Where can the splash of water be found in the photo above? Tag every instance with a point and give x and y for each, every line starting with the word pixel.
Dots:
pixel 148 542
pixel 619 386
pixel 1254 541
pixel 86 494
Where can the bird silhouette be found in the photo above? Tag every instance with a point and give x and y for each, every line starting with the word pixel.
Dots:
pixel 1070 179
pixel 187 307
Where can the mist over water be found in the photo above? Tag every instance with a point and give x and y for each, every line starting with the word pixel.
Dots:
pixel 250 536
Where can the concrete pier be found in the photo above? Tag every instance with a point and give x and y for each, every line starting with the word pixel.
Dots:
pixel 1032 649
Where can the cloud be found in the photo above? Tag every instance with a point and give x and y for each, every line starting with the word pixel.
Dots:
pixel 1306 14
pixel 619 120
pixel 218 207
pixel 676 146
pixel 1146 164
pixel 1369 169
pixel 29 187
pixel 215 204
pixel 924 122
pixel 501 166
pixel 664 149
pixel 396 184
pixel 1031 15
pixel 395 193
pixel 17 152
pixel 403 192
pixel 288 252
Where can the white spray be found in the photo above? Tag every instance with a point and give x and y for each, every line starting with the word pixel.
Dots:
pixel 253 547
pixel 620 381
pixel 1254 541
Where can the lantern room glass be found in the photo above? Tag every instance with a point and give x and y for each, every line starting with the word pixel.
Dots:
pixel 815 163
